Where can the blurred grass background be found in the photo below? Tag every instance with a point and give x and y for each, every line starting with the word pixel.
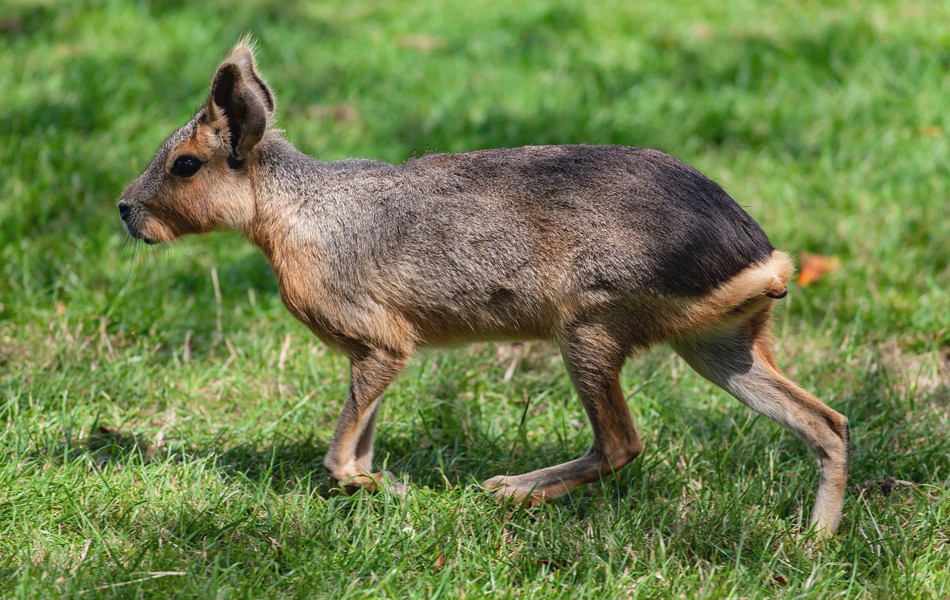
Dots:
pixel 166 418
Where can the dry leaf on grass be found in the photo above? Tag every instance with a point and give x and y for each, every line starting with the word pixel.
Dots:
pixel 816 266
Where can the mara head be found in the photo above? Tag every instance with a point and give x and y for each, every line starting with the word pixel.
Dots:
pixel 198 180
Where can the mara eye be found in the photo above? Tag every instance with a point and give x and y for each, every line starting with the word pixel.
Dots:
pixel 186 166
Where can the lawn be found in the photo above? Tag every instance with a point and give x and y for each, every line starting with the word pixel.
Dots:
pixel 165 418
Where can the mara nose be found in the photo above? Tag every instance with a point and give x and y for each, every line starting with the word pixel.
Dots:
pixel 124 209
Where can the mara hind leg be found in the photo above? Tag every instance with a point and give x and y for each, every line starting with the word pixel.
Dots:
pixel 350 456
pixel 738 358
pixel 594 359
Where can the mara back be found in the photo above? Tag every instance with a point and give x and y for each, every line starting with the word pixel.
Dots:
pixel 511 242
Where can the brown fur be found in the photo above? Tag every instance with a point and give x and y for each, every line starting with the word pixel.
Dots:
pixel 602 249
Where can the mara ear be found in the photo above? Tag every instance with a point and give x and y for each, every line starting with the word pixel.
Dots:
pixel 240 103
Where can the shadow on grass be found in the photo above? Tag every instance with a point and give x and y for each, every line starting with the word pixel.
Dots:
pixel 465 455
pixel 444 446
pixel 654 495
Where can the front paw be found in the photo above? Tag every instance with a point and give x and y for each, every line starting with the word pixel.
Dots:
pixel 374 482
pixel 502 487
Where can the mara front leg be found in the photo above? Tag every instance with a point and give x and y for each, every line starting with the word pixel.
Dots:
pixel 350 456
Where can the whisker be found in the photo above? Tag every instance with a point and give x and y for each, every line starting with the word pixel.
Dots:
pixel 149 279
pixel 128 275
pixel 121 247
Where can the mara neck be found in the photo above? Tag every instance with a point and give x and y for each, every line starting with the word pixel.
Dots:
pixel 282 179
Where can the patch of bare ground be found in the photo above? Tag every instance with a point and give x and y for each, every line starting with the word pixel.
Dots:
pixel 926 374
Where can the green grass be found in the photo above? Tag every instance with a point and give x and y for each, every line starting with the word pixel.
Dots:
pixel 165 418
